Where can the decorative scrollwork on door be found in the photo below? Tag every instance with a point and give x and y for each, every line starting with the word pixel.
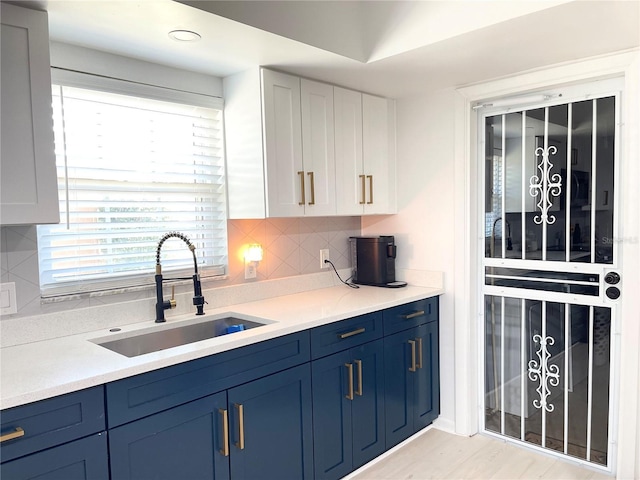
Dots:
pixel 543 373
pixel 545 185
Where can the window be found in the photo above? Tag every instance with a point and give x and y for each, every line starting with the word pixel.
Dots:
pixel 130 169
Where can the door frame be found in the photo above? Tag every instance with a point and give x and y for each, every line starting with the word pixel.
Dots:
pixel 467 259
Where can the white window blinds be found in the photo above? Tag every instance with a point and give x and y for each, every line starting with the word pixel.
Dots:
pixel 129 170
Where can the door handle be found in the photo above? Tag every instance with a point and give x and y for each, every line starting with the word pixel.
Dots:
pixel 312 184
pixel 349 396
pixel 351 333
pixel 419 340
pixel 370 177
pixel 240 411
pixel 363 201
pixel 413 366
pixel 225 432
pixel 17 433
pixel 359 365
pixel 301 174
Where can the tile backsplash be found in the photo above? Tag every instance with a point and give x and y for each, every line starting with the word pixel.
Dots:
pixel 291 247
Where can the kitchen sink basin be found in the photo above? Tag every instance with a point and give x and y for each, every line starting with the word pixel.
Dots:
pixel 166 336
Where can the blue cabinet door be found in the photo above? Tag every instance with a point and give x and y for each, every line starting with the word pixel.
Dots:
pixel 368 403
pixel 399 385
pixel 332 431
pixel 84 459
pixel 183 442
pixel 427 389
pixel 348 418
pixel 271 427
pixel 412 392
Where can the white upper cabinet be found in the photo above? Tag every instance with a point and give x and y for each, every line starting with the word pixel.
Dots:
pixel 365 153
pixel 29 190
pixel 282 125
pixel 350 177
pixel 298 147
pixel 318 149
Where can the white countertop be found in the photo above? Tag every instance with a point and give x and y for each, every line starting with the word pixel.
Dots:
pixel 43 369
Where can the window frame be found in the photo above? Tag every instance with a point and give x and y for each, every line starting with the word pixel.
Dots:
pixel 120 283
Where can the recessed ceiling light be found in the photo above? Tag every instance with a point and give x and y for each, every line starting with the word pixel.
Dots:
pixel 184 36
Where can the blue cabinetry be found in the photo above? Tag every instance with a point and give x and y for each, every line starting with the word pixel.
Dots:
pixel 314 404
pixel 348 395
pixel 258 429
pixel 271 427
pixel 58 438
pixel 411 371
pixel 182 442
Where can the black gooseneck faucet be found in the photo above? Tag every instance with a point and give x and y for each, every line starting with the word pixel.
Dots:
pixel 161 304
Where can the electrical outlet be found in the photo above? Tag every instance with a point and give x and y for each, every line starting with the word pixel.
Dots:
pixel 324 255
pixel 8 303
pixel 249 270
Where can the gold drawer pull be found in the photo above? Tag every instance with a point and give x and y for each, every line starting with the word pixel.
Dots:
pixel 419 340
pixel 225 432
pixel 414 314
pixel 359 365
pixel 17 433
pixel 413 366
pixel 370 177
pixel 349 396
pixel 352 333
pixel 301 187
pixel 240 410
pixel 312 183
pixel 362 202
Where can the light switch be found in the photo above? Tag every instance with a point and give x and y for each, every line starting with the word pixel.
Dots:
pixel 8 302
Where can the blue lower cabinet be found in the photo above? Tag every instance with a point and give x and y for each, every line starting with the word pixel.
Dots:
pixel 271 427
pixel 182 442
pixel 412 394
pixel 84 459
pixel 259 430
pixel 348 409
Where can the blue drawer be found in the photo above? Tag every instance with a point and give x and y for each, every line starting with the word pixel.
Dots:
pixel 149 393
pixel 345 334
pixel 410 315
pixel 51 422
pixel 84 459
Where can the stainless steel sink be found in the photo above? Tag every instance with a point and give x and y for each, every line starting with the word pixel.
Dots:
pixel 159 338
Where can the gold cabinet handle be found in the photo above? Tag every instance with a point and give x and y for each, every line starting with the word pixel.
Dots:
pixel 240 411
pixel 414 314
pixel 359 365
pixel 413 366
pixel 370 177
pixel 362 202
pixel 301 173
pixel 312 184
pixel 17 433
pixel 352 333
pixel 349 396
pixel 419 340
pixel 225 432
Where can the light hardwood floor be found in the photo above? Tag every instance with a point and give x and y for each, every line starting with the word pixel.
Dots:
pixel 440 455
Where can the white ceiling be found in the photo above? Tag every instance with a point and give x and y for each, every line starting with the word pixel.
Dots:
pixel 392 48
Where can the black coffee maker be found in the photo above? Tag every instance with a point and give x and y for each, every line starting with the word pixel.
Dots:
pixel 373 261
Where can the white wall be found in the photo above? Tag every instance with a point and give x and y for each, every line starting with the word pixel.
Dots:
pixel 424 225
